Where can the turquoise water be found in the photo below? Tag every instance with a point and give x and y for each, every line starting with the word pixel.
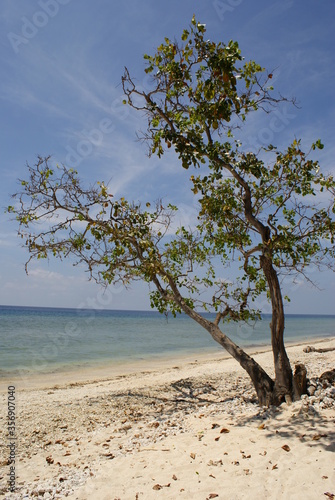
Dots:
pixel 38 340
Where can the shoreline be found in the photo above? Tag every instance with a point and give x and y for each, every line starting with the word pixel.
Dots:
pixel 103 372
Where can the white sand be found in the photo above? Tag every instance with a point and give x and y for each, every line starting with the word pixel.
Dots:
pixel 189 430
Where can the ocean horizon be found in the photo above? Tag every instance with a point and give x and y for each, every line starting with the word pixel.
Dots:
pixel 36 340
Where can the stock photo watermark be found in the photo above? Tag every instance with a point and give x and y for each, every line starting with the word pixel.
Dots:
pixel 94 138
pixel 12 438
pixel 228 6
pixel 280 119
pixel 31 26
pixel 90 139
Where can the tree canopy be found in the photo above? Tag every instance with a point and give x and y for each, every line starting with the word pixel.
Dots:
pixel 272 212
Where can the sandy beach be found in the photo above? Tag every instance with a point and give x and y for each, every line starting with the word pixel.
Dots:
pixel 188 428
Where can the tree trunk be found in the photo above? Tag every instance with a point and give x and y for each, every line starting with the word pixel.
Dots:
pixel 265 387
pixel 283 372
pixel 299 381
pixel 263 384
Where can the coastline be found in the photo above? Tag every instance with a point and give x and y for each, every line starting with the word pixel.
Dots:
pixel 105 371
pixel 184 430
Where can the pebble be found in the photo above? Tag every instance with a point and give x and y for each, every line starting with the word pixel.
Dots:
pixel 320 393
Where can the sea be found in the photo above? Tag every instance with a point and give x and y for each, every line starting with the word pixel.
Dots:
pixel 35 340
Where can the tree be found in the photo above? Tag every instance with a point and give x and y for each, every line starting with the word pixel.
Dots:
pixel 272 212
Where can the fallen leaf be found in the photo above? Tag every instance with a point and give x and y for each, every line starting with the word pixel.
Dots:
pixel 215 462
pixel 318 436
pixel 286 447
pixel 224 431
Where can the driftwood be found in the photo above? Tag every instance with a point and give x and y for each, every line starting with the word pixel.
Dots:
pixel 313 349
pixel 328 376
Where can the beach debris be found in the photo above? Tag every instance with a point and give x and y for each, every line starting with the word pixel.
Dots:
pixel 313 349
pixel 286 447
pixel 215 463
pixel 174 477
pixel 316 437
pixel 212 495
pixel 192 455
pixel 215 426
pixel 261 427
pixel 330 495
pixel 328 376
pixel 224 430
pixel 321 391
pixel 50 460
pixel 160 487
pixel 275 466
pixel 263 453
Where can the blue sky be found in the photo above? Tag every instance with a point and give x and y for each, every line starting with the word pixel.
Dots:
pixel 61 65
